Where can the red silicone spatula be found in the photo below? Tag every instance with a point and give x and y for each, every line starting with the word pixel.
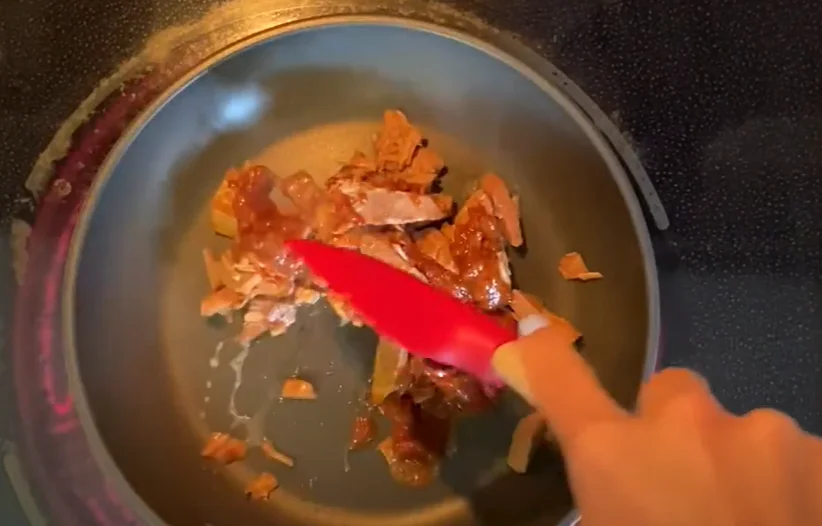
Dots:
pixel 423 320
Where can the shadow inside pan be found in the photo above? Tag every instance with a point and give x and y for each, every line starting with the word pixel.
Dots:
pixel 152 376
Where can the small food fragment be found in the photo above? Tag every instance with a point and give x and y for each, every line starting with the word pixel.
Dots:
pixel 341 309
pixel 572 266
pixel 304 192
pixel 506 207
pixel 306 296
pixel 457 392
pixel 424 169
pixel 359 161
pixel 273 454
pixel 266 315
pixel 297 389
pixel 434 244
pixel 272 287
pixel 224 449
pixel 529 433
pixel 379 246
pixel 381 207
pixel 214 270
pixel 525 305
pixel 261 227
pixel 419 437
pixel 389 364
pixel 363 432
pixel 261 487
pixel 221 210
pixel 221 301
pixel 410 472
pixel 435 274
pixel 335 215
pixel 479 252
pixel 396 142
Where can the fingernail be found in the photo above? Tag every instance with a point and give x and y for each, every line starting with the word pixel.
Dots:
pixel 531 324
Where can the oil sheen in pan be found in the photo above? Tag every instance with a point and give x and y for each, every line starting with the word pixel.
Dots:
pixel 322 86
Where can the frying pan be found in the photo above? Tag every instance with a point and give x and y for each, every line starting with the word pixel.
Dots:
pixel 152 379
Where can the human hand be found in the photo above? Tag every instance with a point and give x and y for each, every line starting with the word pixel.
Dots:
pixel 679 459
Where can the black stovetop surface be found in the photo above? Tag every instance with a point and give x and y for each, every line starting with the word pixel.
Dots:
pixel 722 100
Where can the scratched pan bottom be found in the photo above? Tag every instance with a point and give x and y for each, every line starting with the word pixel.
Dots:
pixel 146 372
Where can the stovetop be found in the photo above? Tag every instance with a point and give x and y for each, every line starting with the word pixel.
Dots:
pixel 721 101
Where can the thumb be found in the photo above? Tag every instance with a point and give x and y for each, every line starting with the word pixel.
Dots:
pixel 544 368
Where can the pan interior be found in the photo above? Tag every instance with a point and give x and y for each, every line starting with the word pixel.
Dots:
pixel 153 380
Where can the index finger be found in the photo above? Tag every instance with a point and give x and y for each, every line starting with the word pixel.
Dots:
pixel 557 381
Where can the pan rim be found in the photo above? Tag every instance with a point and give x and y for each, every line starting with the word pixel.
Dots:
pixel 529 67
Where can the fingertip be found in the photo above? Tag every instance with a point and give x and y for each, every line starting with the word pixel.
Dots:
pixel 562 384
pixel 674 383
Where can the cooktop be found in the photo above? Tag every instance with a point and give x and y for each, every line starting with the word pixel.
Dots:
pixel 718 102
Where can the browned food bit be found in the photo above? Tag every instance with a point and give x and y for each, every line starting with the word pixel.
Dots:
pixel 389 364
pixel 437 275
pixel 396 142
pixel 361 161
pixel 529 433
pixel 506 207
pixel 304 192
pixel 224 448
pixel 350 240
pixel 422 392
pixel 379 246
pixel 277 329
pixel 335 216
pixel 461 392
pixel 572 267
pixel 221 301
pixel 448 231
pixel 477 200
pixel 221 209
pixel 479 253
pixel 271 311
pixel 418 440
pixel 411 472
pixel 273 287
pixel 525 305
pixel 266 315
pixel 261 227
pixel 273 454
pixel 379 206
pixel 246 283
pixel 341 309
pixel 261 487
pixel 214 270
pixel 297 389
pixel 434 244
pixel 425 168
pixel 306 296
pixel 364 431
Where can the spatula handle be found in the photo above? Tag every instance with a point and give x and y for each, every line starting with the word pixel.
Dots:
pixel 508 367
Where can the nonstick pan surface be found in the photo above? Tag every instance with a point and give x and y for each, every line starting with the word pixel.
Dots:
pixel 149 382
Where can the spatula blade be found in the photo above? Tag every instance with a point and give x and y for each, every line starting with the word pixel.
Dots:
pixel 423 320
